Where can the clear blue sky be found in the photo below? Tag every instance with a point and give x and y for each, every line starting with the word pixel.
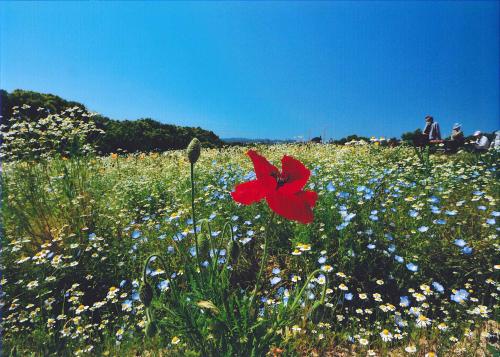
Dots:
pixel 263 70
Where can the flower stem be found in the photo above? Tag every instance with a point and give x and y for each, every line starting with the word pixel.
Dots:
pixel 194 216
pixel 262 262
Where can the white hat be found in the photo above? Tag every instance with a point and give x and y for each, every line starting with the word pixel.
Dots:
pixel 477 132
pixel 457 126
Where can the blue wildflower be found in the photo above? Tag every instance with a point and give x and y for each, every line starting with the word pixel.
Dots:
pixel 342 226
pixel 467 250
pixel 348 217
pixel 163 285
pixel 435 210
pixel 404 301
pixel 127 304
pixel 439 288
pixel 412 267
pixel 434 199
pixel 343 194
pixel 275 280
pixel 460 296
pixel 245 240
pixel 178 237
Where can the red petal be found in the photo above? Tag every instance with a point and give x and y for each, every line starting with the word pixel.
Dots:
pixel 261 166
pixel 296 207
pixel 249 192
pixel 309 196
pixel 296 174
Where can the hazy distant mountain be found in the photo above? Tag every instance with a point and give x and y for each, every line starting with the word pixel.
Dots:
pixel 255 141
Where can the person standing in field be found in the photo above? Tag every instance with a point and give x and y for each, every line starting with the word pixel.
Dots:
pixel 431 130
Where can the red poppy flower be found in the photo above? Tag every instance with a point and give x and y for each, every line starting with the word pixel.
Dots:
pixel 283 190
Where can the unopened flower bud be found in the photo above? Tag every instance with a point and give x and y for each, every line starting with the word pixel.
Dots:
pixel 234 252
pixel 203 244
pixel 193 150
pixel 146 294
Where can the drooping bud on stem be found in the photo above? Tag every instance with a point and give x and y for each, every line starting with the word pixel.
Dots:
pixel 193 150
pixel 203 243
pixel 146 294
pixel 234 251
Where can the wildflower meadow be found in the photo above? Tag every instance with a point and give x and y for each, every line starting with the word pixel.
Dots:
pixel 293 250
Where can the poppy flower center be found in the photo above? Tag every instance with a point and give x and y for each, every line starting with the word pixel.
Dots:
pixel 280 179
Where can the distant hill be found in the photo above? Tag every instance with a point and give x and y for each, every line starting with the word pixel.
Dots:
pixel 130 135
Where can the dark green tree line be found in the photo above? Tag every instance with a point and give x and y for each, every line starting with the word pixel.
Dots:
pixel 127 135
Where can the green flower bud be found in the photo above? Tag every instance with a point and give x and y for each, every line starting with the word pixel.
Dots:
pixel 234 251
pixel 146 294
pixel 193 150
pixel 203 243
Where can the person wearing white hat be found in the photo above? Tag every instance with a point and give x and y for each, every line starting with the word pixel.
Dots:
pixel 457 134
pixel 482 142
pixel 495 143
pixel 457 139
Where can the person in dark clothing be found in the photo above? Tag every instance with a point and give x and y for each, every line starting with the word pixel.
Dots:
pixel 431 130
pixel 457 139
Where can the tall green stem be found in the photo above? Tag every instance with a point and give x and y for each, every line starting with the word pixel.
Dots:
pixel 262 262
pixel 194 217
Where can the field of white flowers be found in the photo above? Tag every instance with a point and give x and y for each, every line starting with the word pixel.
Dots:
pixel 99 256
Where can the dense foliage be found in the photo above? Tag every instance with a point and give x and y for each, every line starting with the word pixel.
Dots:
pixel 69 133
pixel 404 251
pixel 117 135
